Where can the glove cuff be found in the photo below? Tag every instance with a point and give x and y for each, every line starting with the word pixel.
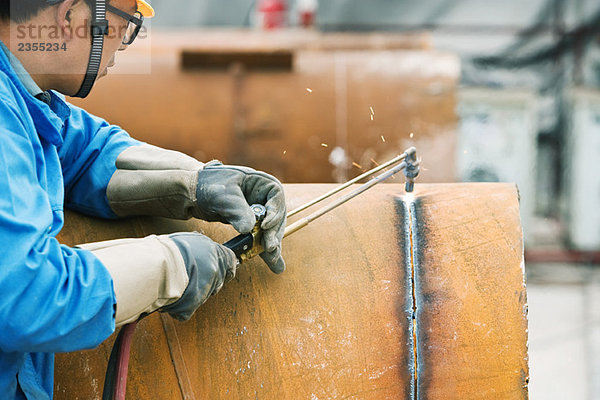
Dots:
pixel 147 274
pixel 148 157
pixel 154 181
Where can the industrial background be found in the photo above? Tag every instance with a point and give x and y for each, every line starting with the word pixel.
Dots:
pixel 487 90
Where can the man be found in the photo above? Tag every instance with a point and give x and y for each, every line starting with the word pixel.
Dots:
pixel 54 155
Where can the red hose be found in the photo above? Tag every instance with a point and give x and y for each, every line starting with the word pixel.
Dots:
pixel 122 363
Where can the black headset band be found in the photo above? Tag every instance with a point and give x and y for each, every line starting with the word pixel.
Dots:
pixel 99 29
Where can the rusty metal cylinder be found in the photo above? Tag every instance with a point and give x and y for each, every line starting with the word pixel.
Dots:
pixel 392 296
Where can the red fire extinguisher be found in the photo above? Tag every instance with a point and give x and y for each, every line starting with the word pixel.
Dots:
pixel 271 14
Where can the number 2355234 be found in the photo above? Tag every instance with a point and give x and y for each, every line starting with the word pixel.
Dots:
pixel 42 47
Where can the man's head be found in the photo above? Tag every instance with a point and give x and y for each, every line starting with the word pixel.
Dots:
pixel 63 29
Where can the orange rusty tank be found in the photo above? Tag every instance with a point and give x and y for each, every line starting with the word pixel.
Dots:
pixel 391 296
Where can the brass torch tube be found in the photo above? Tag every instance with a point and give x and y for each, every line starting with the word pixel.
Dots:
pixel 294 227
pixel 338 189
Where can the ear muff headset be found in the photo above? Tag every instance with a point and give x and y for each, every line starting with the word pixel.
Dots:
pixel 99 29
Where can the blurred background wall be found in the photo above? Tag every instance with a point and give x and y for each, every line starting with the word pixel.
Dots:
pixel 488 90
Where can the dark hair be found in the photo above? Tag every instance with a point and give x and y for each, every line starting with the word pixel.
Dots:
pixel 24 10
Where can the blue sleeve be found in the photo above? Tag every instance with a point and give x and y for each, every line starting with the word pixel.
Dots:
pixel 91 147
pixel 53 298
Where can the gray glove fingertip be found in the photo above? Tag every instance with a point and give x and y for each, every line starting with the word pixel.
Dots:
pixel 230 261
pixel 244 223
pixel 278 267
pixel 229 254
pixel 274 261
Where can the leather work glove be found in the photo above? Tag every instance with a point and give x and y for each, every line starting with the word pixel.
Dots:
pixel 172 273
pixel 224 194
pixel 208 266
pixel 154 181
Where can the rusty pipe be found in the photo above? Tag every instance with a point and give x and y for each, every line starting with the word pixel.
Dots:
pixel 343 327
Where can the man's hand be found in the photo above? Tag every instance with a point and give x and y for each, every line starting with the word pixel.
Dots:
pixel 173 273
pixel 153 181
pixel 224 193
pixel 208 265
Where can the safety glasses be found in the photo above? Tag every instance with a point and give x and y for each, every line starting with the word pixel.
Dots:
pixel 134 23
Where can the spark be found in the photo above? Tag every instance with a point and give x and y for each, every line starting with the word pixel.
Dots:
pixel 375 162
pixel 372 117
pixel 412 135
pixel 372 112
pixel 324 145
pixel 382 139
pixel 309 90
pixel 284 152
pixel 357 165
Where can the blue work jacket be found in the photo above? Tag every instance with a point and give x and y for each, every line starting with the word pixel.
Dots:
pixel 54 298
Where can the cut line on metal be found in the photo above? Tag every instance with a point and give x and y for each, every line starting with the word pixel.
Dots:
pixel 410 226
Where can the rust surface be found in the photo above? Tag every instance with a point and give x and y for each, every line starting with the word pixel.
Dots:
pixel 470 293
pixel 337 324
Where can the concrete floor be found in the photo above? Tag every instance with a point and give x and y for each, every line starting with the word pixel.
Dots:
pixel 564 331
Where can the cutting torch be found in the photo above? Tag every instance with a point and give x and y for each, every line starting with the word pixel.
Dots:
pixel 247 246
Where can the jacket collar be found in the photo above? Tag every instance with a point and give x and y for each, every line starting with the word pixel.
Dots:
pixel 21 72
pixel 49 119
